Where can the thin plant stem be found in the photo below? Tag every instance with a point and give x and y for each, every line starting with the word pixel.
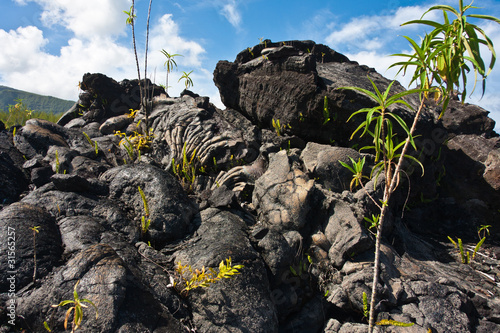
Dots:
pixel 369 195
pixel 34 255
pixel 135 52
pixel 389 189
pixel 146 90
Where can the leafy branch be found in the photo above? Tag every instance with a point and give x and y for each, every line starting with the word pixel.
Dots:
pixel 189 278
pixel 440 65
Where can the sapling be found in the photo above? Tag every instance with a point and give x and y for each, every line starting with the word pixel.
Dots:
pixel 35 231
pixel 169 64
pixel 143 95
pixel 188 82
pixel 77 309
pixel 440 64
pixel 145 220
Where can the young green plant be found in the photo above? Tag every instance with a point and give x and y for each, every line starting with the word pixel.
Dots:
pixel 326 111
pixel 77 309
pixel 465 255
pixel 189 278
pixel 35 231
pixel 145 220
pixel 357 171
pixel 449 51
pixel 92 143
pixel 186 171
pixel 188 82
pixel 169 64
pixel 440 65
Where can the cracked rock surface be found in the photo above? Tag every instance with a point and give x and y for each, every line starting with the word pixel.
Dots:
pixel 232 184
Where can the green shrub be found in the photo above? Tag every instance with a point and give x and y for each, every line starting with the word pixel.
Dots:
pixel 189 278
pixel 19 113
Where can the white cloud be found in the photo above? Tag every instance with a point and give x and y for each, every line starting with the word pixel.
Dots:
pixel 231 13
pixel 19 47
pixel 26 65
pixel 356 30
pixel 165 35
pixel 405 14
pixel 370 40
pixel 37 71
pixel 85 18
pixel 377 31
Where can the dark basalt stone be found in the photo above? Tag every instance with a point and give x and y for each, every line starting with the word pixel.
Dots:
pixel 278 202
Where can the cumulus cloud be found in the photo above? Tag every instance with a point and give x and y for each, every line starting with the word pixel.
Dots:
pixel 85 18
pixel 377 31
pixel 370 40
pixel 357 29
pixel 231 13
pixel 93 46
pixel 19 46
pixel 165 35
pixel 28 67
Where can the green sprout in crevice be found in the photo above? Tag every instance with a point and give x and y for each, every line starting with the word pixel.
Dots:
pixel 35 230
pixel 136 143
pixel 278 127
pixel 92 143
pixel 58 165
pixel 145 220
pixel 189 278
pixel 77 309
pixel 186 170
pixel 326 111
pixel 465 256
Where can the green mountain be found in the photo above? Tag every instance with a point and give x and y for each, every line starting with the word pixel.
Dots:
pixel 49 104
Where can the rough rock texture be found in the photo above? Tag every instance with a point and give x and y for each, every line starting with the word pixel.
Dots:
pixel 290 83
pixel 467 119
pixel 252 309
pixel 18 242
pixel 170 210
pixel 222 184
pixel 283 194
pixel 322 161
pixel 13 179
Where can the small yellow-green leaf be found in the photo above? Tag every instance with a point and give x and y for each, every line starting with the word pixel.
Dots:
pixel 390 322
pixel 46 326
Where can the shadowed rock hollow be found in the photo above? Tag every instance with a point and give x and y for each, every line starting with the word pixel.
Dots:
pixel 273 198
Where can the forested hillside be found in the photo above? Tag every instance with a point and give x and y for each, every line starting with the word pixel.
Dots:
pixel 9 96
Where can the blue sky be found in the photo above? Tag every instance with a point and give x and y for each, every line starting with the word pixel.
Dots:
pixel 47 45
